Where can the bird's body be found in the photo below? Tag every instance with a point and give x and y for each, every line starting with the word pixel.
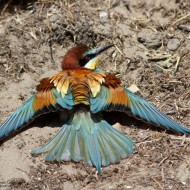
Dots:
pixel 84 93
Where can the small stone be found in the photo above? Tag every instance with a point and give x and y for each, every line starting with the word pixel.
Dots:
pixel 183 27
pixel 133 88
pixel 183 182
pixel 103 15
pixel 117 126
pixel 158 159
pixel 53 18
pixel 173 44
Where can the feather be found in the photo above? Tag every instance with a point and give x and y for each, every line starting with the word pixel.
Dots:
pixel 65 87
pixel 94 86
pixel 121 99
pixel 89 138
pixel 41 103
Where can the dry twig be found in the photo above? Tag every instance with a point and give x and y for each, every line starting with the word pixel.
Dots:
pixel 160 186
pixel 180 19
pixel 5 7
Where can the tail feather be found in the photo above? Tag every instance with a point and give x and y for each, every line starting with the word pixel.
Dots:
pixel 109 148
pixel 83 149
pixel 119 144
pixel 93 150
pixel 89 138
pixel 103 150
pixel 60 148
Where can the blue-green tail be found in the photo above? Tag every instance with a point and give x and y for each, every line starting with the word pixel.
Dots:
pixel 88 138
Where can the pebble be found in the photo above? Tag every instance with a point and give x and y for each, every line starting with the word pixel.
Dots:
pixel 103 15
pixel 173 44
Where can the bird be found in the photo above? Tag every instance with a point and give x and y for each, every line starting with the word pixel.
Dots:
pixel 81 91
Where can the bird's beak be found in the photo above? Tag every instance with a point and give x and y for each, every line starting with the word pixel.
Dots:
pixel 93 63
pixel 102 48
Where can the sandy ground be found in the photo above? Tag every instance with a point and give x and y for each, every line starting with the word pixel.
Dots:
pixel 153 53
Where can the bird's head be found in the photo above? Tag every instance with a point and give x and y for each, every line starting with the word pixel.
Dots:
pixel 82 56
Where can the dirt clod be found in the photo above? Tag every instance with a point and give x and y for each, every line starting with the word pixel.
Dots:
pixel 150 39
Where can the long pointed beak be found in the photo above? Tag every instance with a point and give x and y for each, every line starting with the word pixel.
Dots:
pixel 93 62
pixel 102 48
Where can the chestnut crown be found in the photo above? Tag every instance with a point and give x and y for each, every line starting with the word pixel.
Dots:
pixel 82 56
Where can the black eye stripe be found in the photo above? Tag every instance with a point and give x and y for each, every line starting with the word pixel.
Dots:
pixel 86 59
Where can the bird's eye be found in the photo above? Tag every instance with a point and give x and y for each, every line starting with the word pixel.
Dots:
pixel 87 57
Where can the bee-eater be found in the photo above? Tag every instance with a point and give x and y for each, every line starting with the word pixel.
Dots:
pixel 83 92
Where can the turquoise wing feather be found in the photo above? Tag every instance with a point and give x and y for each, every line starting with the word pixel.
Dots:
pixel 122 99
pixel 41 103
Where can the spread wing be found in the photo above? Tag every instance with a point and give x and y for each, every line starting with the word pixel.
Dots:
pixel 118 98
pixel 47 99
